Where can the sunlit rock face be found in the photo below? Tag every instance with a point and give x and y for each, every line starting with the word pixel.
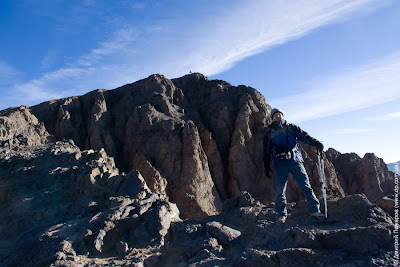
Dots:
pixel 107 178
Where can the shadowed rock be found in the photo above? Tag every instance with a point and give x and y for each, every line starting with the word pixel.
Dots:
pixel 105 178
pixel 65 203
pixel 368 175
pixel 176 133
pixel 356 232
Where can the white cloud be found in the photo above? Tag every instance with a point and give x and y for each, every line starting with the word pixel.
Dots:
pixel 385 117
pixel 8 74
pixel 176 45
pixel 49 59
pixel 365 86
pixel 354 131
pixel 81 76
pixel 394 115
pixel 258 25
pixel 213 44
pixel 33 92
pixel 117 44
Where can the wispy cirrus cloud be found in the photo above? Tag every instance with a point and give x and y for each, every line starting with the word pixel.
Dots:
pixel 385 117
pixel 354 131
pixel 174 46
pixel 120 42
pixel 8 74
pixel 75 78
pixel 395 115
pixel 257 26
pixel 49 59
pixel 374 83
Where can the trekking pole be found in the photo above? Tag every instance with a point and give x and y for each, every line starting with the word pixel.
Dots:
pixel 323 181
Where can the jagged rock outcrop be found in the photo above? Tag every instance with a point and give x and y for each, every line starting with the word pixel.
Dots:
pixel 18 126
pixel 357 233
pixel 177 133
pixel 197 141
pixel 92 180
pixel 368 175
pixel 60 204
pixel 68 207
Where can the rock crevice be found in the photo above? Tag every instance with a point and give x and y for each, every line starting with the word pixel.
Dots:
pixel 106 179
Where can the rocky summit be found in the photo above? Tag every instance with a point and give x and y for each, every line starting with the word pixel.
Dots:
pixel 170 173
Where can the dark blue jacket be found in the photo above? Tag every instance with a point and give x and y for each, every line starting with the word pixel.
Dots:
pixel 283 134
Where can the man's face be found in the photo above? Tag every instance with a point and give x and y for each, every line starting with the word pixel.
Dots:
pixel 277 117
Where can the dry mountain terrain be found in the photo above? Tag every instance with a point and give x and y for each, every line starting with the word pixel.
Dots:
pixel 170 173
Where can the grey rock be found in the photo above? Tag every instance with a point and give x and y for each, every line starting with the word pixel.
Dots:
pixel 368 175
pixel 77 203
pixel 387 204
pixel 222 233
pixel 257 258
pixel 104 179
pixel 209 244
pixel 305 239
pixel 176 133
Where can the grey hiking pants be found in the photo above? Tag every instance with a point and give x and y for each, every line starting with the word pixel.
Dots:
pixel 299 173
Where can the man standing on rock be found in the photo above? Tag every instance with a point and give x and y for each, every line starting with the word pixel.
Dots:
pixel 280 144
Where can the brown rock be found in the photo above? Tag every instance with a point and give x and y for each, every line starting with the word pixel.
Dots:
pixel 66 203
pixel 387 204
pixel 98 129
pixel 191 141
pixel 195 183
pixel 368 175
pixel 174 132
pixel 197 141
pixel 246 151
pixel 18 126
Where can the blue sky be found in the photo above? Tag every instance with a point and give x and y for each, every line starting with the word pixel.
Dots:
pixel 332 66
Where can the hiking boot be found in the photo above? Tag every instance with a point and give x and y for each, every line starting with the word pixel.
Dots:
pixel 281 219
pixel 318 215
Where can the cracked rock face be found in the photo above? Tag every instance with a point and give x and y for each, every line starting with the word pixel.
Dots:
pixel 197 141
pixel 106 179
pixel 368 175
pixel 63 203
pixel 356 232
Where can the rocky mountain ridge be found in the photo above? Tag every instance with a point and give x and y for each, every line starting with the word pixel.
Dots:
pixel 202 130
pixel 68 207
pixel 368 175
pixel 89 178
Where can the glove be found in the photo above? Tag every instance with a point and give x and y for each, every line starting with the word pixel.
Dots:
pixel 319 146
